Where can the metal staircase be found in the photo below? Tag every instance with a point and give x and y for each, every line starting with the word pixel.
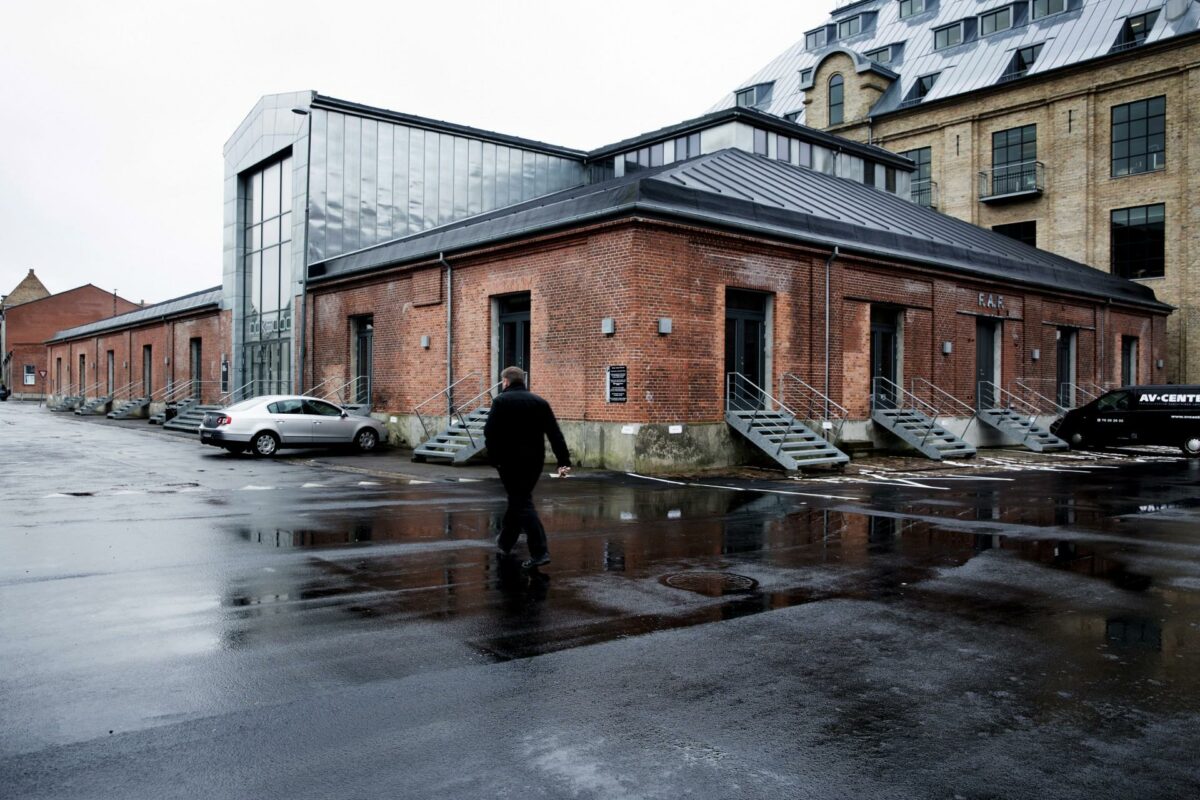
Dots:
pixel 462 437
pixel 127 408
pixel 1015 418
pixel 67 403
pixel 914 420
pixel 189 412
pixel 776 431
pixel 95 406
pixel 346 394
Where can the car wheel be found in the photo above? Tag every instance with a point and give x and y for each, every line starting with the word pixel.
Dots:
pixel 366 440
pixel 1191 447
pixel 1077 441
pixel 265 444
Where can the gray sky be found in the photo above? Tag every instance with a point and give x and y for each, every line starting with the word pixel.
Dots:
pixel 115 112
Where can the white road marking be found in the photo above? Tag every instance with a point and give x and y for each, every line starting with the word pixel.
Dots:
pixel 312 486
pixel 741 488
pixel 416 483
pixel 252 488
pixel 369 483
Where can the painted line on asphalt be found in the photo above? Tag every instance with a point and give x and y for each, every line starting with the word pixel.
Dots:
pixel 741 488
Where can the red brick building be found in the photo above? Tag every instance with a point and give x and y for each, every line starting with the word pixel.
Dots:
pixel 29 324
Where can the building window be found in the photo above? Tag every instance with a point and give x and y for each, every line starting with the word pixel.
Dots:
pixel 910 8
pixel 922 187
pixel 995 21
pixel 1129 360
pixel 760 142
pixel 836 100
pixel 849 27
pixel 1139 137
pixel 814 39
pixel 1014 159
pixel 1135 30
pixel 783 148
pixel 806 76
pixel 921 87
pixel 1022 60
pixel 30 375
pixel 753 96
pixel 687 146
pixel 1139 241
pixel 267 277
pixel 793 116
pixel 1021 231
pixel 882 55
pixel 1044 8
pixel 645 157
pixel 948 36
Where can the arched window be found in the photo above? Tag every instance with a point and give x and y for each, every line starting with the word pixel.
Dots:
pixel 836 95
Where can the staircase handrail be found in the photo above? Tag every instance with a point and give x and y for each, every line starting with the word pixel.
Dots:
pixel 1042 401
pixel 448 393
pixel 904 396
pixel 312 390
pixel 94 387
pixel 944 398
pixel 738 378
pixel 471 405
pixel 834 414
pixel 125 391
pixel 1000 396
pixel 227 397
pixel 338 393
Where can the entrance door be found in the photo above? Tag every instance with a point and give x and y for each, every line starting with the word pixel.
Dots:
pixel 363 347
pixel 1129 360
pixel 111 372
pixel 1065 367
pixel 194 360
pixel 746 347
pixel 82 373
pixel 985 362
pixel 885 377
pixel 147 370
pixel 514 332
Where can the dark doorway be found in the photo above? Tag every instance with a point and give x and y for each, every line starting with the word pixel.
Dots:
pixel 985 362
pixel 111 358
pixel 514 331
pixel 1064 381
pixel 364 342
pixel 58 384
pixel 196 365
pixel 746 346
pixel 885 357
pixel 82 373
pixel 1129 360
pixel 147 370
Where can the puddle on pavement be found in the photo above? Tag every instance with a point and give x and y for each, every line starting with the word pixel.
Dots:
pixel 610 579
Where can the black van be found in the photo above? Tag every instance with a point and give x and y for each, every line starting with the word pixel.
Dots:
pixel 1165 415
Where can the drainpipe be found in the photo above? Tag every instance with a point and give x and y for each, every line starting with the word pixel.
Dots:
pixel 828 265
pixel 449 333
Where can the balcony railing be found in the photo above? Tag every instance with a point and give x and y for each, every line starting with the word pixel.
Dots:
pixel 925 193
pixel 1012 182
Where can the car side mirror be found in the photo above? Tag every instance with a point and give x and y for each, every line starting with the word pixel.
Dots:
pixel 345 414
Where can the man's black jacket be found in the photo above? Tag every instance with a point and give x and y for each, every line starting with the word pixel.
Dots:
pixel 515 427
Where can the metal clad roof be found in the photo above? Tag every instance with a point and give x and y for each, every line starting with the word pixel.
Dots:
pixel 167 308
pixel 732 188
pixel 1087 29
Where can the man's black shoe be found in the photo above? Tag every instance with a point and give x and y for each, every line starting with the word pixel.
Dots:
pixel 534 563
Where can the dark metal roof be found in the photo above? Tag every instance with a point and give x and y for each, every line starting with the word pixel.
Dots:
pixel 758 119
pixel 733 189
pixel 334 104
pixel 177 306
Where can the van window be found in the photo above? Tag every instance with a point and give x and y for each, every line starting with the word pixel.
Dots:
pixel 1116 401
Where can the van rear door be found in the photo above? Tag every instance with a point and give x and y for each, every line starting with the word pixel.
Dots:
pixel 1113 419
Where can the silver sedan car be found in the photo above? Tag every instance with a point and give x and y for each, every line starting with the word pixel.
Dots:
pixel 264 425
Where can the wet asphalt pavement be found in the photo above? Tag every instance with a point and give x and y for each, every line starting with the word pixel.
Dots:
pixel 178 622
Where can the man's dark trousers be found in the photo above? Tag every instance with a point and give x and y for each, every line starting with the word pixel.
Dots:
pixel 521 514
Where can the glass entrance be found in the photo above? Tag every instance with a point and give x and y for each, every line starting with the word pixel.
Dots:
pixel 746 347
pixel 514 331
pixel 268 368
pixel 885 377
pixel 985 362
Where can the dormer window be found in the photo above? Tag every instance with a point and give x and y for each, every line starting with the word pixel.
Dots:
pixel 882 55
pixel 814 40
pixel 948 36
pixel 837 91
pixel 793 116
pixel 1135 30
pixel 849 27
pixel 922 87
pixel 910 8
pixel 1022 60
pixel 806 77
pixel 1044 8
pixel 754 96
pixel 995 21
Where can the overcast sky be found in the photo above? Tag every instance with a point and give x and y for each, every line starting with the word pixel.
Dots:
pixel 115 112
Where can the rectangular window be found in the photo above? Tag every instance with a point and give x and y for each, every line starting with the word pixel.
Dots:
pixel 814 39
pixel 920 88
pixel 793 116
pixel 30 376
pixel 1022 60
pixel 948 36
pixel 922 187
pixel 995 21
pixel 849 27
pixel 909 8
pixel 883 55
pixel 1014 160
pixel 687 146
pixel 806 76
pixel 1044 8
pixel 760 142
pixel 1021 231
pixel 745 98
pixel 889 179
pixel 1135 30
pixel 837 97
pixel 1139 131
pixel 1139 241
pixel 783 148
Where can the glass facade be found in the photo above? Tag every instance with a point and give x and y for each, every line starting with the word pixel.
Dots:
pixel 266 272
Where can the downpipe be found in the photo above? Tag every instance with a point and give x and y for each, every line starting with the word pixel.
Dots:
pixel 828 270
pixel 449 333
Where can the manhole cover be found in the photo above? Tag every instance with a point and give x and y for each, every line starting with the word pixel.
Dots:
pixel 712 584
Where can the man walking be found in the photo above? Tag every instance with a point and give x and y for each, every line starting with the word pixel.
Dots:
pixel 514 435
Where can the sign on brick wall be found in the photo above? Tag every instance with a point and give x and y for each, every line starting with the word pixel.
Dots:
pixel 616 388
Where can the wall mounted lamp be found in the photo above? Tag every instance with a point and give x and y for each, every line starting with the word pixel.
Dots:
pixel 947 348
pixel 1035 354
pixel 425 342
pixel 608 326
pixel 664 325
